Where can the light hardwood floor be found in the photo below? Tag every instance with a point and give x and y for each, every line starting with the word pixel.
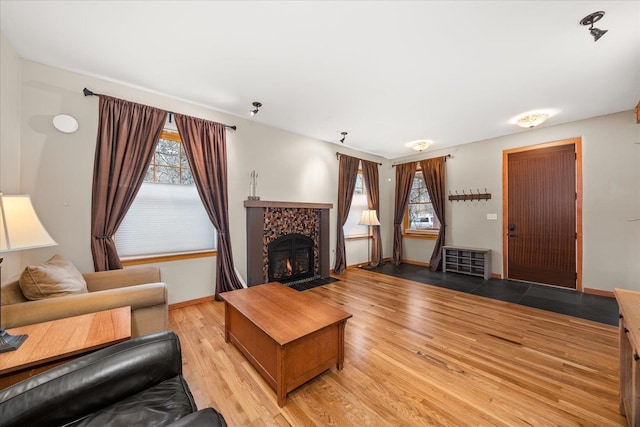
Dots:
pixel 419 355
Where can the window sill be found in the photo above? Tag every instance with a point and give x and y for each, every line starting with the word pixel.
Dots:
pixel 425 235
pixel 150 259
pixel 358 237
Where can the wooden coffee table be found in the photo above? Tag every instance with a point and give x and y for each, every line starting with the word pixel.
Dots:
pixel 55 342
pixel 289 337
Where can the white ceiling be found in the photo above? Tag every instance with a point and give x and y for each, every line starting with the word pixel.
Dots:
pixel 386 72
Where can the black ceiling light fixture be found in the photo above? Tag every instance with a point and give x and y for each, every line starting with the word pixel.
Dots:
pixel 592 19
pixel 344 136
pixel 256 106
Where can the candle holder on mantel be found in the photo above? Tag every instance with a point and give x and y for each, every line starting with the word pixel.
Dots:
pixel 253 186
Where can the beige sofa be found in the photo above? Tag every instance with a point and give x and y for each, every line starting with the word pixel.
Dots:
pixel 139 288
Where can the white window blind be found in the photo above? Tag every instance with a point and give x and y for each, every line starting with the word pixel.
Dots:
pixel 351 227
pixel 165 218
pixel 358 204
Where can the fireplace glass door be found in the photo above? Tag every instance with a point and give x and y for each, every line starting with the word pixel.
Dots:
pixel 290 258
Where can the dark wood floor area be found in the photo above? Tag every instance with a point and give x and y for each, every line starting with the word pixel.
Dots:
pixel 419 355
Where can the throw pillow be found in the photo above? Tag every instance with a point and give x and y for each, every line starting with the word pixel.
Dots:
pixel 55 278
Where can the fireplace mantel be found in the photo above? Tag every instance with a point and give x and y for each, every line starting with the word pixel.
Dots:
pixel 270 204
pixel 256 229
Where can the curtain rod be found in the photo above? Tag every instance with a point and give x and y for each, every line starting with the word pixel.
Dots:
pixel 338 154
pixel 447 156
pixel 87 92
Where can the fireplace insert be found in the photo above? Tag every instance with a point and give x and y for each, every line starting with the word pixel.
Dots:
pixel 290 257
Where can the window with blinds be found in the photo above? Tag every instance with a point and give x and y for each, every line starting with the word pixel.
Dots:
pixel 167 216
pixel 358 204
pixel 420 217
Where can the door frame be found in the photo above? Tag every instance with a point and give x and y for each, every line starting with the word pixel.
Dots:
pixel 505 202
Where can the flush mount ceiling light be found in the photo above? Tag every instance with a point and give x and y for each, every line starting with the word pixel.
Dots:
pixel 420 145
pixel 256 106
pixel 344 136
pixel 532 120
pixel 592 19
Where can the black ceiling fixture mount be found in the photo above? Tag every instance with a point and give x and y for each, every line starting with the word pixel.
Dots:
pixel 592 19
pixel 256 106
pixel 344 136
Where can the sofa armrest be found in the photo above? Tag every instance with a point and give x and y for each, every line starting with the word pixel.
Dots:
pixel 138 297
pixel 78 388
pixel 207 417
pixel 102 280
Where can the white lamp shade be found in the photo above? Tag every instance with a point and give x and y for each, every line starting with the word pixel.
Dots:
pixel 369 218
pixel 20 227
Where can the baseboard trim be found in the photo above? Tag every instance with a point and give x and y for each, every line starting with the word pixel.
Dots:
pixel 358 265
pixel 191 302
pixel 599 292
pixel 420 263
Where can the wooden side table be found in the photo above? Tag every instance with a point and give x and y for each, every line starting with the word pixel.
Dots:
pixel 58 341
pixel 629 304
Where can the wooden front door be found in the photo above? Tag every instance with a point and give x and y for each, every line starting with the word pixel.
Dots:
pixel 540 221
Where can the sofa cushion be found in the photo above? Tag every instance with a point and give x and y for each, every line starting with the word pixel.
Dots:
pixel 55 278
pixel 208 417
pixel 156 406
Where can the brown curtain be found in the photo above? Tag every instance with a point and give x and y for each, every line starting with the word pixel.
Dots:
pixel 127 136
pixel 372 182
pixel 206 149
pixel 404 180
pixel 433 174
pixel 347 174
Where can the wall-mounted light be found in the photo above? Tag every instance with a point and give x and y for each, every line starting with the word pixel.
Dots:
pixel 65 123
pixel 344 136
pixel 592 19
pixel 256 106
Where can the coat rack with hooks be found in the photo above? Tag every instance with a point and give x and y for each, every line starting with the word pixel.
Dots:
pixel 469 196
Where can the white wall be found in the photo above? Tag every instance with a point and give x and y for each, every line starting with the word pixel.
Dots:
pixel 611 193
pixel 9 134
pixel 56 169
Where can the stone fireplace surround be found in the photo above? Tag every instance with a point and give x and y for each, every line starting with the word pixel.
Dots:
pixel 268 220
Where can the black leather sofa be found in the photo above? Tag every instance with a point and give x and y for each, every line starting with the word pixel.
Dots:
pixel 134 383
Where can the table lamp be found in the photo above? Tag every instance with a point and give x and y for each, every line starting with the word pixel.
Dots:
pixel 370 218
pixel 20 229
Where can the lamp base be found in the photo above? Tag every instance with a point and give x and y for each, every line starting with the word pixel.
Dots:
pixel 10 342
pixel 371 267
